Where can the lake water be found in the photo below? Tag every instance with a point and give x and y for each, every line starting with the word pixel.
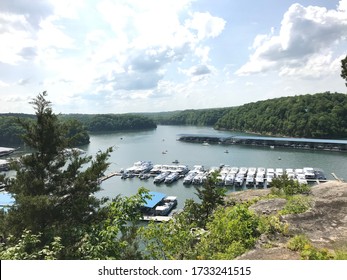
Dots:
pixel 149 145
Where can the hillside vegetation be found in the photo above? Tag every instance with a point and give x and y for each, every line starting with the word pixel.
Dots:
pixel 76 124
pixel 321 115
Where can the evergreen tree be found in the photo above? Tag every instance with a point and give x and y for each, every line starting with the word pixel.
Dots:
pixel 53 190
pixel 344 69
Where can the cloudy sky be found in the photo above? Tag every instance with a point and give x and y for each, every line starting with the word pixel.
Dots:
pixel 119 56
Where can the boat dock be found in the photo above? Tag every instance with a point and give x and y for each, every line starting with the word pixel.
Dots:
pixel 226 175
pixel 110 175
pixel 157 218
pixel 285 142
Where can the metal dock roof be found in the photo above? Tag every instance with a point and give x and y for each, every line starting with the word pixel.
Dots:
pixel 156 198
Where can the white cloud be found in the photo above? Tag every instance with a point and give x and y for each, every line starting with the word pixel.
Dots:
pixel 3 84
pixel 303 45
pixel 206 25
pixel 342 6
pixel 14 36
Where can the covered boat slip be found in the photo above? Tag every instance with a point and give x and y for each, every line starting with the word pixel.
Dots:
pixel 6 200
pixel 299 143
pixel 158 207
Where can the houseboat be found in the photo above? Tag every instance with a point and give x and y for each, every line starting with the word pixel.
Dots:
pixel 158 205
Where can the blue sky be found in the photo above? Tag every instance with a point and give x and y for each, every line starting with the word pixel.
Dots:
pixel 120 56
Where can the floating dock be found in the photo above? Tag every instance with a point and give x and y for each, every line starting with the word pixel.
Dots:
pixel 285 142
pixel 157 218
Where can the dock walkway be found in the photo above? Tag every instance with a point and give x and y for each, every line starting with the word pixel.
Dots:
pixel 157 218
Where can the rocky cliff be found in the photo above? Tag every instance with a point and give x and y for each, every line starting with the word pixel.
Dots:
pixel 324 223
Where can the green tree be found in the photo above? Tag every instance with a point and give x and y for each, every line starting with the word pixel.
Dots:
pixel 178 238
pixel 116 236
pixel 231 232
pixel 344 69
pixel 284 186
pixel 211 196
pixel 54 191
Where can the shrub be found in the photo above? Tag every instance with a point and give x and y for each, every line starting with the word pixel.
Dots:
pixel 296 204
pixel 307 251
pixel 282 185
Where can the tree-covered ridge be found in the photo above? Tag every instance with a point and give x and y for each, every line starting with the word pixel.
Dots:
pixel 322 115
pixel 77 126
pixel 200 117
pixel 11 130
pixel 116 122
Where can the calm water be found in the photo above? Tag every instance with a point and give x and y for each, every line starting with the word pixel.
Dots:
pixel 149 145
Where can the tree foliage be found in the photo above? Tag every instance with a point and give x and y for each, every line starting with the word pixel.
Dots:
pixel 116 122
pixel 53 191
pixel 321 115
pixel 284 186
pixel 344 69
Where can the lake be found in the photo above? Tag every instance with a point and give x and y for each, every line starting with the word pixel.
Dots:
pixel 149 145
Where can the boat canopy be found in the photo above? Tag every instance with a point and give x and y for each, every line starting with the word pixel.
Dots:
pixel 6 200
pixel 155 199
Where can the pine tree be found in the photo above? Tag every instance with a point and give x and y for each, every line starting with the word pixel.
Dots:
pixel 344 69
pixel 54 190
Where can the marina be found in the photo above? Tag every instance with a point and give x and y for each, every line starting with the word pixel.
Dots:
pixel 130 147
pixel 226 175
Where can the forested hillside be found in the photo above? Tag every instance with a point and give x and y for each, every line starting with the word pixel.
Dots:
pixel 201 117
pixel 111 122
pixel 321 115
pixel 76 124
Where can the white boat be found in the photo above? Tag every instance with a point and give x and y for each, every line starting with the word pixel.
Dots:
pixel 229 179
pixel 250 180
pixel 156 169
pixel 290 173
pixel 243 170
pixel 197 180
pixel 279 172
pixel 167 205
pixel 301 179
pixel 259 179
pixel 4 165
pixel 234 169
pixel 261 170
pixel 189 177
pixel 6 151
pixel 251 171
pixel 198 168
pixel 309 173
pixel 270 171
pixel 161 177
pixel 239 179
pixel 269 177
pixel 172 177
pixel 140 167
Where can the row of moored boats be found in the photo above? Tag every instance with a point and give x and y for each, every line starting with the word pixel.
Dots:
pixel 226 175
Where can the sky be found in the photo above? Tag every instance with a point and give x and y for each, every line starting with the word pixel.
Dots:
pixel 123 56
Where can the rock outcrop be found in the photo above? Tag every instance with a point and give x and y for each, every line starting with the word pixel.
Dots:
pixel 325 223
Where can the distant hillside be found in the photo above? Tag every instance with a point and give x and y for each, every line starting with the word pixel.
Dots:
pixel 199 117
pixel 321 115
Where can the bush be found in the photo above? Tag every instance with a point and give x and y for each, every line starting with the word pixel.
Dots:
pixel 282 185
pixel 296 204
pixel 297 243
pixel 307 251
pixel 272 225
